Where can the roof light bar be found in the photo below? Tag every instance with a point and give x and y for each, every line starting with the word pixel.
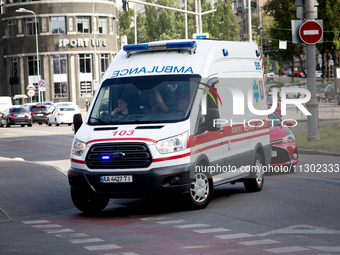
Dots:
pixel 191 45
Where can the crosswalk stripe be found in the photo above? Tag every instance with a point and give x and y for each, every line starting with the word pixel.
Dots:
pixel 287 249
pixel 170 222
pixel 102 247
pixel 259 242
pixel 72 235
pixel 326 248
pixel 234 236
pixel 47 226
pixel 86 240
pixel 192 226
pixel 211 230
pixel 57 231
pixel 35 221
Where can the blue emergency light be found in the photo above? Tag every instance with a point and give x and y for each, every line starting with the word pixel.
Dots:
pixel 190 45
pixel 105 157
pixel 258 53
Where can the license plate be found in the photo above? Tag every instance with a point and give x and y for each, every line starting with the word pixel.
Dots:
pixel 40 114
pixel 21 115
pixel 274 154
pixel 116 179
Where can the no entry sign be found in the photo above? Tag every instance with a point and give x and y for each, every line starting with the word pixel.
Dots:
pixel 311 32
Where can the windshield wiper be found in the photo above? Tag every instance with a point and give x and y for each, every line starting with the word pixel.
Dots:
pixel 101 121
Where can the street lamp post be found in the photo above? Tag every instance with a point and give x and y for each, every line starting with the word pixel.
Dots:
pixel 36 41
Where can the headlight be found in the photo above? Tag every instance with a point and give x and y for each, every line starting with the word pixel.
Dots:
pixel 78 147
pixel 173 144
pixel 289 137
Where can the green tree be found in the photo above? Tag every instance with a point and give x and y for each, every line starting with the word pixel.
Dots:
pixel 126 19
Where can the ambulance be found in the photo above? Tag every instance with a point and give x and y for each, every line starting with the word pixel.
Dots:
pixel 173 117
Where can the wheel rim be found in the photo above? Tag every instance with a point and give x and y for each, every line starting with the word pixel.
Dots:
pixel 199 189
pixel 259 172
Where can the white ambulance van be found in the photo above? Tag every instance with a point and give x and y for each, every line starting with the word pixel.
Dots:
pixel 172 116
pixel 5 103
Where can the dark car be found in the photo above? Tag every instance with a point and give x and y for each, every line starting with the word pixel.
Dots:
pixel 39 113
pixel 16 116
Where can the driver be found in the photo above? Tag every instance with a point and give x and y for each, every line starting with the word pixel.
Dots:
pixel 122 108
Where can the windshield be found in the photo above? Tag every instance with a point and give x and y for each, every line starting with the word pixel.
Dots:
pixel 145 99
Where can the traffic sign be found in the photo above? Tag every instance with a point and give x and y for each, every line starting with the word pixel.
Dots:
pixel 41 83
pixel 42 89
pixel 311 32
pixel 30 92
pixel 30 86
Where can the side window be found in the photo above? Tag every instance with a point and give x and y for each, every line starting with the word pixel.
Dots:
pixel 208 101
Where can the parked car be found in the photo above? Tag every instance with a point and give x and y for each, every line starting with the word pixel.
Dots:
pixel 284 147
pixel 67 104
pixel 39 113
pixel 270 87
pixel 329 92
pixel 61 115
pixel 288 72
pixel 292 94
pixel 270 103
pixel 15 116
pixel 299 73
pixel 320 93
pixel 318 73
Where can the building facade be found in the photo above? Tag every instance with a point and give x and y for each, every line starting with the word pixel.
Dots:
pixel 77 39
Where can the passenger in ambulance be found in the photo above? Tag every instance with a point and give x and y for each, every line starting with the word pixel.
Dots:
pixel 157 103
pixel 122 108
pixel 183 102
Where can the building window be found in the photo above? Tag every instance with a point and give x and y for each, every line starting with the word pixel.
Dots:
pixel 104 63
pixel 85 89
pixel 12 28
pixel 30 27
pixel 13 67
pixel 32 66
pixel 58 25
pixel 102 25
pixel 60 76
pixel 83 25
pixel 85 63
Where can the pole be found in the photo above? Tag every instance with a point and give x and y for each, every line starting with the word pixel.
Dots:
pixel 312 104
pixel 196 17
pixel 134 8
pixel 186 19
pixel 95 48
pixel 36 45
pixel 200 16
pixel 249 22
pixel 261 28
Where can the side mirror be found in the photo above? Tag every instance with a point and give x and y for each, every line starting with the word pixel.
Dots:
pixel 77 121
pixel 212 114
pixel 288 123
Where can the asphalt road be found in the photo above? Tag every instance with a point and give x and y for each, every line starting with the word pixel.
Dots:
pixel 295 213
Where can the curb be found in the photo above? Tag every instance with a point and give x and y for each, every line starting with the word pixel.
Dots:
pixel 329 119
pixel 316 152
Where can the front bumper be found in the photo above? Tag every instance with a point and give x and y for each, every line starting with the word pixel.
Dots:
pixel 284 154
pixel 147 183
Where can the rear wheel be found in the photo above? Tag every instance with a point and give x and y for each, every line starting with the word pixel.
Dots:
pixel 87 203
pixel 29 125
pixel 40 123
pixel 201 190
pixel 23 125
pixel 56 122
pixel 7 124
pixel 49 123
pixel 255 180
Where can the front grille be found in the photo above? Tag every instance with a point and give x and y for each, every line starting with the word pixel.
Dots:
pixel 282 155
pixel 137 155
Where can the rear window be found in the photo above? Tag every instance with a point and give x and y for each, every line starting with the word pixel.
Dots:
pixel 67 109
pixel 19 110
pixel 37 108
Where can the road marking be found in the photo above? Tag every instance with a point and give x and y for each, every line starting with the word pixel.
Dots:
pixel 35 221
pixel 102 247
pixel 234 236
pixel 170 222
pixel 326 248
pixel 259 242
pixel 301 229
pixel 211 230
pixel 287 249
pixel 86 240
pixel 197 247
pixel 57 231
pixel 192 226
pixel 47 226
pixel 72 235
pixel 155 218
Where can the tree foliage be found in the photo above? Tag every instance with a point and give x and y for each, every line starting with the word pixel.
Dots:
pixel 161 24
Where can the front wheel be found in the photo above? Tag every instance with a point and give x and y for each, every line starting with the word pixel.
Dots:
pixel 201 191
pixel 87 203
pixel 255 180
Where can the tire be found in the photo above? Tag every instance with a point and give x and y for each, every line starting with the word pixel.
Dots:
pixel 87 203
pixel 22 125
pixel 69 124
pixel 254 182
pixel 40 123
pixel 56 123
pixel 0 123
pixel 29 125
pixel 49 123
pixel 7 124
pixel 201 191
